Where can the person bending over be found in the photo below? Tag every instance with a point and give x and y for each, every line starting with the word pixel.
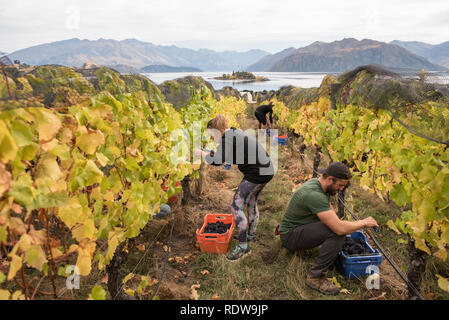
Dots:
pixel 261 115
pixel 310 221
pixel 237 147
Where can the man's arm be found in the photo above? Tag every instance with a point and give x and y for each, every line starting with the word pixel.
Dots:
pixel 341 227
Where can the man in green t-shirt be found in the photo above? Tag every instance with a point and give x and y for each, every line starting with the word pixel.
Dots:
pixel 310 221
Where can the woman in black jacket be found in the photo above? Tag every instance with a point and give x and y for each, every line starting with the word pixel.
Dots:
pixel 237 147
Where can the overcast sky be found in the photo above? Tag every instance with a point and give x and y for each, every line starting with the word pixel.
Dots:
pixel 271 25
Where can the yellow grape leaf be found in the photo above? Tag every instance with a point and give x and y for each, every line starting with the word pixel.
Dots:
pixel 102 159
pixel 128 277
pixel 88 142
pixel 35 257
pixel 392 226
pixel 73 248
pixel 84 231
pixel 4 294
pixel 56 253
pixel 84 262
pixel 5 179
pixel 48 123
pixel 445 233
pixel 48 167
pixel 441 254
pixel 49 145
pixel 204 272
pixel 334 281
pixel 129 292
pixel 115 150
pixel 72 213
pixel 421 245
pixel 216 297
pixel 112 246
pixel 16 264
pixel 8 147
pixel 443 283
pixel 24 243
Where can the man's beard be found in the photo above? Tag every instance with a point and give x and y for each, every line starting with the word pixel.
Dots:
pixel 330 190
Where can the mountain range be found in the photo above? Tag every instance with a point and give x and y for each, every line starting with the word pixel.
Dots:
pixel 339 56
pixel 438 53
pixel 133 53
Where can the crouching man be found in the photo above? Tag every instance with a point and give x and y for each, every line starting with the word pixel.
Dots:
pixel 310 221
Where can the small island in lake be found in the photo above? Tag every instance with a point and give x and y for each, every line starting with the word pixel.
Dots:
pixel 242 75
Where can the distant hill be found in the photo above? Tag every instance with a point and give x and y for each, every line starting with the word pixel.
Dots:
pixel 438 53
pixel 123 68
pixel 339 56
pixel 134 53
pixel 266 62
pixel 165 68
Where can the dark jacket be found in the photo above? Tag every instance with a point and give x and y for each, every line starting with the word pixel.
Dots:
pixel 237 147
pixel 264 109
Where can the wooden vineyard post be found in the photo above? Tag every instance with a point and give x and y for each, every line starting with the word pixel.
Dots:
pixel 416 267
pixel 120 257
pixel 341 199
pixel 186 192
pixel 302 148
pixel 201 179
pixel 316 161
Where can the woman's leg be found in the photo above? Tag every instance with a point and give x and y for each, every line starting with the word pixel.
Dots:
pixel 237 209
pixel 241 197
pixel 253 211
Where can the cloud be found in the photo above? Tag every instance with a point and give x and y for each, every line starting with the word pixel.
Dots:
pixel 234 23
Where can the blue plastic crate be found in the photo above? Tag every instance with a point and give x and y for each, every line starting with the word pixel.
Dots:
pixel 355 266
pixel 281 141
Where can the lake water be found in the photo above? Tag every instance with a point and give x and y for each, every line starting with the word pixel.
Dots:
pixel 277 79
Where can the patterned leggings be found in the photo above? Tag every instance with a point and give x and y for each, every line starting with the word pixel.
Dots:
pixel 246 195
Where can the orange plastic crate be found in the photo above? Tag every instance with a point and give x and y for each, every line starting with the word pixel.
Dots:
pixel 215 242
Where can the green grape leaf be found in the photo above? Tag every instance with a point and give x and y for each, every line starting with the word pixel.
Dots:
pixel 97 293
pixel 398 195
pixel 35 257
pixel 22 133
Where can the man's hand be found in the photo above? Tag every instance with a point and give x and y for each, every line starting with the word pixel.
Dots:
pixel 370 222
